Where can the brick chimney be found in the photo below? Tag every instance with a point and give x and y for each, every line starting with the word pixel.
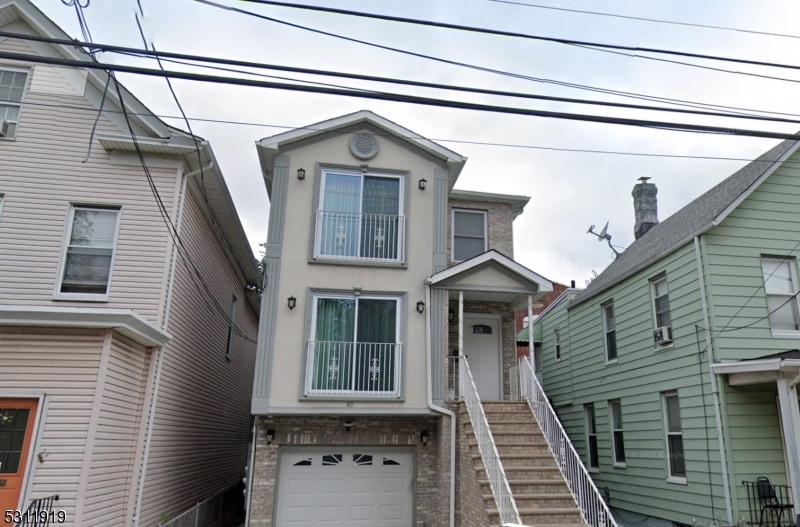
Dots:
pixel 645 205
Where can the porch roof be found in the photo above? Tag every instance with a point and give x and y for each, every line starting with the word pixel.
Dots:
pixel 493 277
pixel 769 368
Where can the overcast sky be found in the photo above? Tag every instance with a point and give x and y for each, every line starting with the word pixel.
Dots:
pixel 569 190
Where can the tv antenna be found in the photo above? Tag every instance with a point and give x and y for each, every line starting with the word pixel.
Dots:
pixel 603 235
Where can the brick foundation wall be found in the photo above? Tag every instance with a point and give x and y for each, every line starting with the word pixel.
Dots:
pixel 470 506
pixel 431 461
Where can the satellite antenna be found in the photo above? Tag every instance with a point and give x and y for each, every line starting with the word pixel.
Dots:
pixel 603 235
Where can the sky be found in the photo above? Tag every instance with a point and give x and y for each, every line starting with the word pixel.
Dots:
pixel 544 158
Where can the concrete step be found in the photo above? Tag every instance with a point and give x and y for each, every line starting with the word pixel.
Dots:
pixel 522 427
pixel 532 472
pixel 538 517
pixel 539 459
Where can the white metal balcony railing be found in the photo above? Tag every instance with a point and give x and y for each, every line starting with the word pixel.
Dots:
pixel 593 508
pixel 506 506
pixel 360 237
pixel 360 369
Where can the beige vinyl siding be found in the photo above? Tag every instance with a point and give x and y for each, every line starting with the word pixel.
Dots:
pixel 43 171
pixel 113 476
pixel 63 364
pixel 202 423
pixel 765 223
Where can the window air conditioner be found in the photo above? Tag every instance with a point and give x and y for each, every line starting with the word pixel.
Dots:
pixel 663 335
pixel 5 126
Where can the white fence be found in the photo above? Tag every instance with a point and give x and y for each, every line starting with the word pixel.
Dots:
pixel 593 508
pixel 363 369
pixel 491 459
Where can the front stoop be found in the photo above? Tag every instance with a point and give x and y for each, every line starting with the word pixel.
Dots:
pixel 542 496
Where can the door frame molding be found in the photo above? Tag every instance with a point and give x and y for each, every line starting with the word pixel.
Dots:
pixel 36 440
pixel 499 319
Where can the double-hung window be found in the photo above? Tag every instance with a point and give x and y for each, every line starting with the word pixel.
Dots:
pixel 674 431
pixel 12 88
pixel 359 217
pixel 89 252
pixel 557 344
pixel 660 293
pixel 591 437
pixel 610 330
pixel 469 234
pixel 617 436
pixel 780 285
pixel 355 348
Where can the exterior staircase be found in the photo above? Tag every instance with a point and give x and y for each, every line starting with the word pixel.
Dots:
pixel 540 492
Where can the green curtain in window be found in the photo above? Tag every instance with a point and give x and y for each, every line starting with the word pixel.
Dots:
pixel 375 348
pixel 335 326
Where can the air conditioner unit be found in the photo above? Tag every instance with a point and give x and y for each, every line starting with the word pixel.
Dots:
pixel 5 128
pixel 663 335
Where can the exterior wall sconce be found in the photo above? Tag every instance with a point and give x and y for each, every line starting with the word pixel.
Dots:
pixel 423 183
pixel 270 435
pixel 301 174
pixel 291 302
pixel 347 425
pixel 420 306
pixel 451 315
pixel 423 436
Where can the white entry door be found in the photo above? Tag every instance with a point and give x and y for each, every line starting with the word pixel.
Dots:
pixel 345 487
pixel 482 348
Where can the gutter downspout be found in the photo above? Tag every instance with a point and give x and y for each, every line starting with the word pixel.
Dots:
pixel 714 387
pixel 439 409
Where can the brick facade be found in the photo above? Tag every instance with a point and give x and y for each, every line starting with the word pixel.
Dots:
pixel 432 461
pixel 499 218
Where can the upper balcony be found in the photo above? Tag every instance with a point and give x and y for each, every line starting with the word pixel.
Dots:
pixel 359 237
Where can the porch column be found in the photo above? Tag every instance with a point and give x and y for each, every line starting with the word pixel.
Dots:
pixel 790 421
pixel 530 333
pixel 461 323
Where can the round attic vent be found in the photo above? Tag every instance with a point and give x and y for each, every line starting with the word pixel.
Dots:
pixel 364 146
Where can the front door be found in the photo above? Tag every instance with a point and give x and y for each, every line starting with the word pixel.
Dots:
pixel 482 348
pixel 16 428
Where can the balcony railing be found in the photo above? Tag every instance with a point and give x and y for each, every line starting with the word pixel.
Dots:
pixel 770 505
pixel 359 237
pixel 593 508
pixel 359 369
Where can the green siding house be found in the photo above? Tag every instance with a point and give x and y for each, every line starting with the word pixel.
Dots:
pixel 675 372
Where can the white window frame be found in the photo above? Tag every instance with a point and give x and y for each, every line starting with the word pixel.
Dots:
pixel 672 478
pixel 483 213
pixel 653 281
pixel 557 345
pixel 589 417
pixel 616 427
pixel 19 104
pixel 791 263
pixel 401 228
pixel 399 359
pixel 90 297
pixel 603 307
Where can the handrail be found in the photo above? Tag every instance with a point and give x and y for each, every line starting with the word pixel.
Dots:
pixel 593 508
pixel 501 490
pixel 40 513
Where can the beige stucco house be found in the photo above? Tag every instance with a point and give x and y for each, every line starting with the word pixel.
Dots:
pixel 127 327
pixel 374 266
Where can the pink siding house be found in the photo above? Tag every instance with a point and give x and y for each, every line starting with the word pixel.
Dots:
pixel 128 302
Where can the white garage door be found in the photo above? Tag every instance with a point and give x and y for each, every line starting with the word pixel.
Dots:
pixel 345 487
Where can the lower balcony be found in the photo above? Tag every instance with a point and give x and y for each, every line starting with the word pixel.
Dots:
pixel 353 369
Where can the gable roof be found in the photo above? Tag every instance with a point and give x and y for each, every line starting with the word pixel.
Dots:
pixel 491 258
pixel 269 147
pixel 152 134
pixel 705 212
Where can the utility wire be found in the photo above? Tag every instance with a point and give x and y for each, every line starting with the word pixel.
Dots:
pixel 514 34
pixel 666 100
pixel 398 97
pixel 187 59
pixel 645 19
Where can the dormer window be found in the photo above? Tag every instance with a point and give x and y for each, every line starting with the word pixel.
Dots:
pixel 359 217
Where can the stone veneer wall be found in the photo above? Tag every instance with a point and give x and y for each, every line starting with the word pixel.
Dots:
pixel 432 460
pixel 508 337
pixel 499 219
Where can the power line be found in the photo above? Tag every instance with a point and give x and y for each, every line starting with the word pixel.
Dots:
pixel 161 55
pixel 398 97
pixel 645 19
pixel 632 95
pixel 514 34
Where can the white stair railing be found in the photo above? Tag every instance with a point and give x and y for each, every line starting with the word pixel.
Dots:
pixel 593 508
pixel 501 491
